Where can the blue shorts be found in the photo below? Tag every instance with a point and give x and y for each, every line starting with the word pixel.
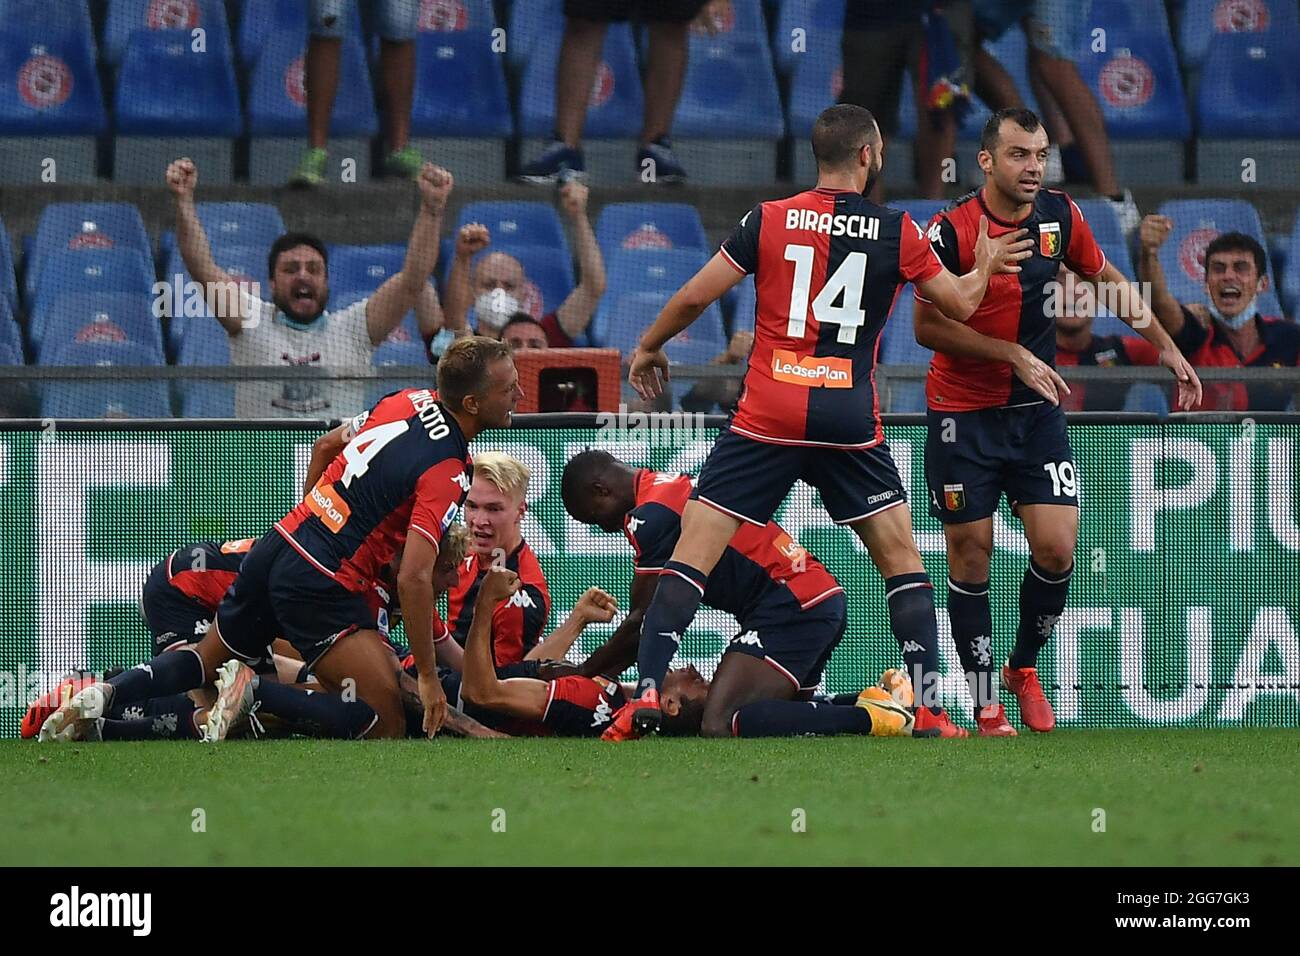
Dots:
pixel 173 618
pixel 278 594
pixel 749 479
pixel 799 644
pixel 395 19
pixel 971 458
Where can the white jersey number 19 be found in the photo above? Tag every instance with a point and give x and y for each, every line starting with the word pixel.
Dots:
pixel 847 280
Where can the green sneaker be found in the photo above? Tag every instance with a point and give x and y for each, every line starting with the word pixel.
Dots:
pixel 311 168
pixel 406 162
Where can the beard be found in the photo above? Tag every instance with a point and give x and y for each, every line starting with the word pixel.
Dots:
pixel 871 179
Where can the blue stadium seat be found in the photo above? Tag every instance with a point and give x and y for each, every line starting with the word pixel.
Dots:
pixel 70 14
pixel 921 210
pixel 616 104
pixel 655 225
pixel 8 272
pixel 48 82
pixel 1255 90
pixel 460 87
pixel 205 343
pixel 1204 19
pixel 661 271
pixel 1138 86
pixel 532 21
pixel 400 353
pixel 517 223
pixel 1196 222
pixel 1125 17
pixel 126 17
pixel 68 226
pixel 1104 223
pixel 102 352
pixel 233 224
pixel 744 302
pixel 821 21
pixel 11 334
pixel 206 399
pixel 242 263
pixel 1147 397
pixel 274 112
pixel 93 271
pixel 137 398
pixel 96 317
pixel 730 92
pixel 364 268
pixel 166 89
pixel 1291 278
pixel 624 318
pixel 816 81
pixel 9 354
pixel 451 16
pixel 899 346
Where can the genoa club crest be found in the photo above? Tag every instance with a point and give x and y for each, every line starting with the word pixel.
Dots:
pixel 1049 239
pixel 954 497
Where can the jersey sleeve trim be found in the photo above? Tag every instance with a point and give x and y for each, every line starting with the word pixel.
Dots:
pixel 732 262
pixel 432 539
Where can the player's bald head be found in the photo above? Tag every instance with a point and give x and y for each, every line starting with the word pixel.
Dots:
pixel 839 134
pixel 598 489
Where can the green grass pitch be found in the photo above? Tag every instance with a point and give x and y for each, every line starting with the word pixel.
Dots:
pixel 1177 797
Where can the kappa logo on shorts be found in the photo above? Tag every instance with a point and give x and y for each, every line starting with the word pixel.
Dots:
pixel 750 638
pixel 201 628
pixel 954 497
pixel 1049 239
pixel 633 524
pixel 602 714
pixel 814 371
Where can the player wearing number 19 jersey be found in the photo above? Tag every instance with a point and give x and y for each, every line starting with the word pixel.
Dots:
pixel 396 484
pixel 827 265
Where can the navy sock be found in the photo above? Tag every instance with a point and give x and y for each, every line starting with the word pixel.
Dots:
pixel 1042 599
pixel 911 617
pixel 171 673
pixel 329 713
pixel 165 718
pixel 972 632
pixel 794 718
pixel 671 612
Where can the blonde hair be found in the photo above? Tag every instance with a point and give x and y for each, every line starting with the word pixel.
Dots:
pixel 455 544
pixel 508 475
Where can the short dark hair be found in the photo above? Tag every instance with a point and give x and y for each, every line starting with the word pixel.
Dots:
pixel 686 722
pixel 1238 242
pixel 580 471
pixel 839 132
pixel 1025 119
pixel 463 368
pixel 289 241
pixel 519 318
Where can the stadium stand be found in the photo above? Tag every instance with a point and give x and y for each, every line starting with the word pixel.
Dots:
pixel 277 109
pixel 613 111
pixel 516 224
pixel 817 22
pixel 1249 115
pixel 261 19
pixel 1196 222
pixel 242 263
pixel 743 303
pixel 400 353
pixel 1204 19
pixel 1291 277
pixel 631 271
pixel 530 21
pixel 172 100
pixel 461 112
pixel 8 273
pixel 11 334
pixel 98 271
pixel 624 317
pixel 125 18
pixel 10 354
pixel 51 105
pixel 67 226
pixel 233 224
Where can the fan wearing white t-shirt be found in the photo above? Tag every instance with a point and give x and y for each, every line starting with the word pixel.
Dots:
pixel 294 328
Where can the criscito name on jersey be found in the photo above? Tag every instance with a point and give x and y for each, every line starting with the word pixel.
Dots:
pixel 854 226
pixel 430 413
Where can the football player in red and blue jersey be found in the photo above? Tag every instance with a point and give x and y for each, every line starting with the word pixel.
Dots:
pixel 995 422
pixel 396 485
pixel 790 609
pixel 827 265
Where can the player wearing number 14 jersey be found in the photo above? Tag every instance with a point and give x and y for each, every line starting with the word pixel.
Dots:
pixel 402 474
pixel 827 265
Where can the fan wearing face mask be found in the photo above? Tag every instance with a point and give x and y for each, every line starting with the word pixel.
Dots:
pixel 487 294
pixel 1228 331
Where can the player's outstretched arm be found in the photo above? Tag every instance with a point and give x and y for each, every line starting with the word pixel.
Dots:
pixel 518 696
pixel 648 369
pixel 196 253
pixel 959 296
pixel 1136 313
pixel 1152 234
pixel 594 607
pixel 323 451
pixel 619 652
pixel 400 293
pixel 415 589
pixel 940 333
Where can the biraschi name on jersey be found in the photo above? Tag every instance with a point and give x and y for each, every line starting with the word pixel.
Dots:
pixel 430 413
pixel 854 226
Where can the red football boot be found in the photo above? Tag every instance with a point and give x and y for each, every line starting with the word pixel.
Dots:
pixel 48 703
pixel 992 722
pixel 1035 710
pixel 940 722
